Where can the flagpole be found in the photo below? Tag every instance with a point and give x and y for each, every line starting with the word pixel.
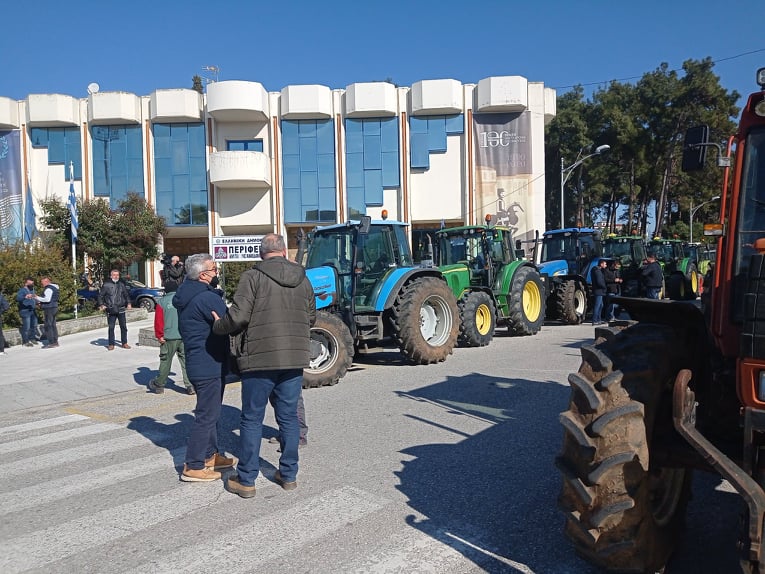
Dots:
pixel 73 213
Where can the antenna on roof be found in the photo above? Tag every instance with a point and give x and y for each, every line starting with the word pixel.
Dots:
pixel 93 88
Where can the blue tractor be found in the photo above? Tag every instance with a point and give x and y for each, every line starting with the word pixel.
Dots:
pixel 567 258
pixel 369 293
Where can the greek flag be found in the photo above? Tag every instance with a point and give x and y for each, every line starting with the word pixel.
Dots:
pixel 73 211
pixel 30 217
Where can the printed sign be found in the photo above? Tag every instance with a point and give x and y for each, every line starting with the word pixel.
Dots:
pixel 236 247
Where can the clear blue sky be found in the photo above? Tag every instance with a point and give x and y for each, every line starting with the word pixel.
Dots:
pixel 138 45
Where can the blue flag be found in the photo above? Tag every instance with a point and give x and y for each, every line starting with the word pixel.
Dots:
pixel 73 211
pixel 30 217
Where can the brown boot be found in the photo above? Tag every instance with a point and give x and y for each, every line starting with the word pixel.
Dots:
pixel 202 475
pixel 218 462
pixel 235 487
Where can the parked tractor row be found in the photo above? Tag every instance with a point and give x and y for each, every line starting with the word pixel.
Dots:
pixel 370 294
pixel 569 255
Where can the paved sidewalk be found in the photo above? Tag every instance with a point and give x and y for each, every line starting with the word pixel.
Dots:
pixel 80 368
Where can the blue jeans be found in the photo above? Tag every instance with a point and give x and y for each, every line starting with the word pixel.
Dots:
pixel 597 309
pixel 203 440
pixel 257 386
pixel 28 327
pixel 652 292
pixel 111 321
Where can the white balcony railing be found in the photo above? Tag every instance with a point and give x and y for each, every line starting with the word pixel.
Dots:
pixel 240 169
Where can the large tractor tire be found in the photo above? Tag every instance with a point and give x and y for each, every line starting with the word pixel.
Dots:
pixel 624 512
pixel 478 318
pixel 692 282
pixel 571 302
pixel 526 302
pixel 426 321
pixel 676 288
pixel 331 349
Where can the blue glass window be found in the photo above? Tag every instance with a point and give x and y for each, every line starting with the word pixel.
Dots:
pixel 64 146
pixel 180 172
pixel 308 171
pixel 372 161
pixel 117 161
pixel 244 145
pixel 428 135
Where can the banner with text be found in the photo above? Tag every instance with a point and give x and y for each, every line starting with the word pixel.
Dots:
pixel 236 247
pixel 503 171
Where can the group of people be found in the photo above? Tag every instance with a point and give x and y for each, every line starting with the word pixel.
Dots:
pixel 270 320
pixel 28 301
pixel 606 284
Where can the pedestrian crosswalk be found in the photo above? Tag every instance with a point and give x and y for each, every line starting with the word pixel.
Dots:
pixel 80 495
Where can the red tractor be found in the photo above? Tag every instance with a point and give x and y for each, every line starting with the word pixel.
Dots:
pixel 678 388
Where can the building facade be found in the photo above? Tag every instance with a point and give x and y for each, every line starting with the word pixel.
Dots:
pixel 239 160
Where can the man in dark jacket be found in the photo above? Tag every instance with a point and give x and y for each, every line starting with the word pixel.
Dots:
pixel 206 365
pixel 49 304
pixel 173 273
pixel 274 310
pixel 652 277
pixel 598 281
pixel 114 298
pixel 25 298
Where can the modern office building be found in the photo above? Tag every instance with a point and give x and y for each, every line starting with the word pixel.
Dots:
pixel 238 160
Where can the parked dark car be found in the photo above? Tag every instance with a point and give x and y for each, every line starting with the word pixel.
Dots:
pixel 140 295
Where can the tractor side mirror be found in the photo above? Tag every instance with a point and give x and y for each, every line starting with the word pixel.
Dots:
pixel 366 223
pixel 695 148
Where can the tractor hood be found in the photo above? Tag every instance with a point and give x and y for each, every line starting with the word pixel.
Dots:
pixel 552 268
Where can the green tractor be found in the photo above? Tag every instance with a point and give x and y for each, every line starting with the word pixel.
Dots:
pixel 681 274
pixel 629 251
pixel 492 283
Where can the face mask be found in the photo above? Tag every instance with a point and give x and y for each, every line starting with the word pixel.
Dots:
pixel 115 280
pixel 30 286
pixel 214 282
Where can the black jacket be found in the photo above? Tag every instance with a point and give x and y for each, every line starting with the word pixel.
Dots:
pixel 114 296
pixel 610 275
pixel 652 275
pixel 172 276
pixel 274 308
pixel 598 281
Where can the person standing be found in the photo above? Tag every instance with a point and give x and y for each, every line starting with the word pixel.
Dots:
pixel 169 337
pixel 598 281
pixel 28 313
pixel 274 307
pixel 206 365
pixel 114 298
pixel 613 287
pixel 4 306
pixel 652 277
pixel 172 274
pixel 49 305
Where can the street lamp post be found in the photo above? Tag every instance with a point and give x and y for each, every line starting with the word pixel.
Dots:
pixel 565 172
pixel 695 209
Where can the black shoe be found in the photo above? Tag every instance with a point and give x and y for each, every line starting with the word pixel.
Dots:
pixel 235 487
pixel 190 391
pixel 155 388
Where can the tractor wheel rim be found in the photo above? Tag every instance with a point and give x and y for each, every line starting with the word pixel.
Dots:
pixel 483 319
pixel 435 321
pixel 531 301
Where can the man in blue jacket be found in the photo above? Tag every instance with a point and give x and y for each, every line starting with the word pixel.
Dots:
pixel 27 304
pixel 206 365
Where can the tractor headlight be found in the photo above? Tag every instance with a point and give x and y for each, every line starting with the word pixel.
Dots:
pixel 761 386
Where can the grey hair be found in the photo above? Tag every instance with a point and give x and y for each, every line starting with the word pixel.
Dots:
pixel 197 264
pixel 272 243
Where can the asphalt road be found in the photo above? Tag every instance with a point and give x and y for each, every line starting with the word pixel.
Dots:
pixel 445 468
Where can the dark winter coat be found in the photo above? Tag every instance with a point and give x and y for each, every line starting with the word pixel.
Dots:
pixel 274 308
pixel 612 287
pixel 114 296
pixel 652 275
pixel 598 281
pixel 173 276
pixel 206 353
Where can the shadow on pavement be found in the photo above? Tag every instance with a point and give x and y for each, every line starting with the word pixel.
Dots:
pixel 488 495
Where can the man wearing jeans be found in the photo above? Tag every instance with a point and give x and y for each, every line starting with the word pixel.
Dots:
pixel 274 309
pixel 27 304
pixel 197 300
pixel 114 298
